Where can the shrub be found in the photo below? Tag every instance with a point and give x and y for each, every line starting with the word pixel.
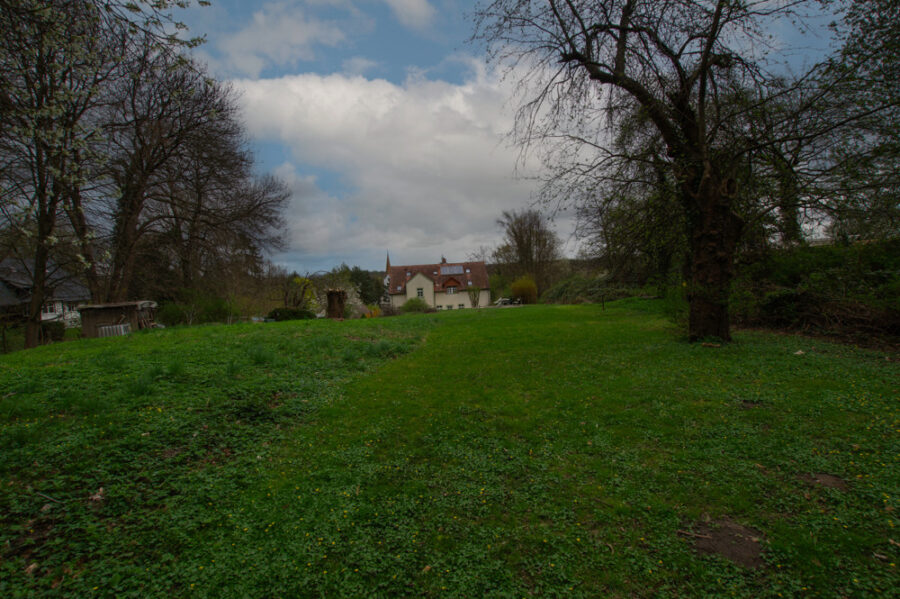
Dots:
pixel 675 305
pixel 170 314
pixel 415 304
pixel 54 331
pixel 847 290
pixel 575 290
pixel 374 311
pixel 196 307
pixel 579 289
pixel 281 314
pixel 499 286
pixel 524 289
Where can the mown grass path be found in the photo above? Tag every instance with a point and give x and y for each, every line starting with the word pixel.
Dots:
pixel 540 451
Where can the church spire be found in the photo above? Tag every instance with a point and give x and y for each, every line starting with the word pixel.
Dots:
pixel 387 268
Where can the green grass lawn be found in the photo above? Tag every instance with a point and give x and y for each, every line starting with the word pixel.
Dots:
pixel 551 451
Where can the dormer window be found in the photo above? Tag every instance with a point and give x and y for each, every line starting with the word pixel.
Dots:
pixel 408 273
pixel 451 290
pixel 468 270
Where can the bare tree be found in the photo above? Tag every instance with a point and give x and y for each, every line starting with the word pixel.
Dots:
pixel 863 180
pixel 482 254
pixel 700 74
pixel 154 116
pixel 530 247
pixel 474 296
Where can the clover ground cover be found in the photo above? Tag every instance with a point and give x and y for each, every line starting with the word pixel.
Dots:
pixel 538 451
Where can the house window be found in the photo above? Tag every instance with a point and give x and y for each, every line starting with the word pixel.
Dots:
pixel 399 287
pixel 420 292
pixel 450 306
pixel 461 306
pixel 451 290
pixel 470 283
pixel 49 308
pixel 468 270
pixel 438 307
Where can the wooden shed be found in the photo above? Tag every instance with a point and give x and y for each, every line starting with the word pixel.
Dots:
pixel 110 320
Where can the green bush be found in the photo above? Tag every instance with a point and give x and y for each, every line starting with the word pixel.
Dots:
pixel 499 286
pixel 54 331
pixel 196 307
pixel 580 289
pixel 281 314
pixel 675 305
pixel 524 289
pixel 170 314
pixel 415 304
pixel 828 289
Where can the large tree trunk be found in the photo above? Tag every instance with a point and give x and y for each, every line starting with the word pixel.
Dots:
pixel 714 232
pixel 130 206
pixel 75 210
pixel 35 306
pixel 47 203
pixel 336 299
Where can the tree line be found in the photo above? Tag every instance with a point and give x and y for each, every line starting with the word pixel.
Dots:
pixel 121 159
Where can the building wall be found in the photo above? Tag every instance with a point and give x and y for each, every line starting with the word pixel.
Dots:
pixel 412 286
pixel 443 299
pixel 58 310
pixel 439 299
pixel 420 281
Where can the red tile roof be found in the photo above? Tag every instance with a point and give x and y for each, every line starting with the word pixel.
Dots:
pixel 476 272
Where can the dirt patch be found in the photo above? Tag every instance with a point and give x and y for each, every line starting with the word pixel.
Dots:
pixel 876 340
pixel 40 531
pixel 825 480
pixel 171 452
pixel 215 456
pixel 731 540
pixel 749 404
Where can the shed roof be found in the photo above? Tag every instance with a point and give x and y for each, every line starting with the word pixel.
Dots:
pixel 138 305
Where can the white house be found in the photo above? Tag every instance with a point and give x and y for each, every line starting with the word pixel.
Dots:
pixel 444 286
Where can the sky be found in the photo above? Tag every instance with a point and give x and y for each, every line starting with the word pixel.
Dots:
pixel 385 122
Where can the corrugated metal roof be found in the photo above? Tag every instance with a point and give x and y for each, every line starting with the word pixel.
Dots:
pixel 140 305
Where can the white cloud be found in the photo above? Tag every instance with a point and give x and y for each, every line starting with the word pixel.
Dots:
pixel 358 65
pixel 416 14
pixel 279 34
pixel 425 161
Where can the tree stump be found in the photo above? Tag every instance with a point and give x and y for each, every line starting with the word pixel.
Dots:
pixel 336 299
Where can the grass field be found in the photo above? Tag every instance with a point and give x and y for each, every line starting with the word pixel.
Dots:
pixel 552 451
